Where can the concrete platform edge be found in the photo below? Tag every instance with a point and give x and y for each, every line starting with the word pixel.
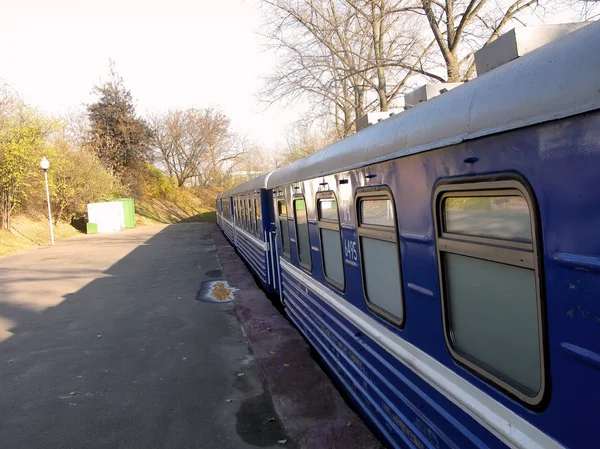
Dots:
pixel 312 411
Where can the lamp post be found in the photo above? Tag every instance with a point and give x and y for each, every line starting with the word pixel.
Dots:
pixel 45 164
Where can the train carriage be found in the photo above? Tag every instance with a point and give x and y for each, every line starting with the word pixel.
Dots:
pixel 248 224
pixel 444 263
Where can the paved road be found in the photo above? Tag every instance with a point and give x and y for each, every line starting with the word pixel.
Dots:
pixel 104 345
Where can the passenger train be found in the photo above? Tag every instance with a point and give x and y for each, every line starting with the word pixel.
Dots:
pixel 445 263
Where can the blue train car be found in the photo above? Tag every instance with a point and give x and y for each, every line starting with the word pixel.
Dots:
pixel 445 263
pixel 246 219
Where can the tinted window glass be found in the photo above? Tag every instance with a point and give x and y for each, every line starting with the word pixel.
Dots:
pixel 331 246
pixel 503 217
pixel 302 233
pixel 285 236
pixel 282 208
pixel 493 314
pixel 377 211
pixel 382 275
pixel 258 215
pixel 248 216
pixel 328 210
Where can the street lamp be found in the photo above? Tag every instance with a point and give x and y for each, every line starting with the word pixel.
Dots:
pixel 45 164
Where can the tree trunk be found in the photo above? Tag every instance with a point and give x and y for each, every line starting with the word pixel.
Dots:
pixel 58 215
pixel 453 68
pixel 5 210
pixel 377 24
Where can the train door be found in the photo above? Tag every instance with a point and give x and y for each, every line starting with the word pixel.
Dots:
pixel 269 230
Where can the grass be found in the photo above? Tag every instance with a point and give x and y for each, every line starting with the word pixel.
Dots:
pixel 190 209
pixel 29 232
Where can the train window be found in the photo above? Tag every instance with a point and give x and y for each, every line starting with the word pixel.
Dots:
pixel 502 217
pixel 377 212
pixel 380 256
pixel 490 284
pixel 284 228
pixel 259 225
pixel 241 213
pixel 302 236
pixel 251 216
pixel 331 239
pixel 246 215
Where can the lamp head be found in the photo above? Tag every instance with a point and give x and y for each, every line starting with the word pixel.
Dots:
pixel 45 164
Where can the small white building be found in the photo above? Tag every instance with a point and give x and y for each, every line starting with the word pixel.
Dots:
pixel 110 216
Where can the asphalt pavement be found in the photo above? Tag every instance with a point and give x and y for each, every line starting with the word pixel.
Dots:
pixel 104 344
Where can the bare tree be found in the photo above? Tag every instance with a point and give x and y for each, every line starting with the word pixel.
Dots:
pixel 194 143
pixel 583 10
pixel 304 138
pixel 460 27
pixel 347 56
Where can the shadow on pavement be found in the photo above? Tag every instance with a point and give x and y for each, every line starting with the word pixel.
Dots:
pixel 130 359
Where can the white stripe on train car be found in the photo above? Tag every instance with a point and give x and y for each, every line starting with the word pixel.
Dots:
pixel 510 428
pixel 257 242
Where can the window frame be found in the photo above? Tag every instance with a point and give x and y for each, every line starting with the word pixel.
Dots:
pixel 300 197
pixel 498 250
pixel 251 221
pixel 258 216
pixel 324 223
pixel 247 214
pixel 383 233
pixel 240 213
pixel 284 218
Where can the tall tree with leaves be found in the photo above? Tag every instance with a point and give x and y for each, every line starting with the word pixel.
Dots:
pixel 22 141
pixel 118 137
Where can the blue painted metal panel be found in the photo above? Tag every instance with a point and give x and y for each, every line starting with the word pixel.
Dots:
pixel 227 228
pixel 254 255
pixel 559 162
pixel 397 402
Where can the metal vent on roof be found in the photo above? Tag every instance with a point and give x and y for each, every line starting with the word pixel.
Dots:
pixel 427 92
pixel 372 118
pixel 519 41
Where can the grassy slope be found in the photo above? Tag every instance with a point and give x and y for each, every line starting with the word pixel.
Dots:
pixel 34 231
pixel 28 232
pixel 162 211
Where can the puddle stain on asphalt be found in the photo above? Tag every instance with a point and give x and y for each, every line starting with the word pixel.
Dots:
pixel 216 291
pixel 256 427
pixel 214 273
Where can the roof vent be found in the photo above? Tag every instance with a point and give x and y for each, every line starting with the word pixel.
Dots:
pixel 372 118
pixel 519 41
pixel 427 92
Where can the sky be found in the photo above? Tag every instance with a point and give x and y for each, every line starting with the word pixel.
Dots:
pixel 171 54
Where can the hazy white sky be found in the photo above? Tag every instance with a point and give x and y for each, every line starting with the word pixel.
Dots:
pixel 171 54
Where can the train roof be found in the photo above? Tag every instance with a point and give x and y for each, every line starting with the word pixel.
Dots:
pixel 557 80
pixel 257 183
